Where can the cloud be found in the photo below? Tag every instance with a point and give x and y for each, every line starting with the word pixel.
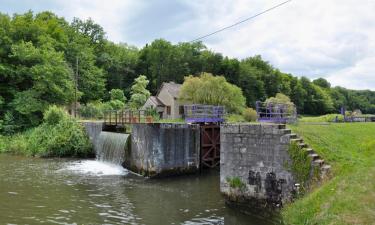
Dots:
pixel 306 38
pixel 359 76
pixel 334 39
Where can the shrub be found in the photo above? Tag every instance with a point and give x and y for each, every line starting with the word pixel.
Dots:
pixel 53 115
pixel 235 118
pixel 117 94
pixel 116 104
pixel 249 114
pixel 94 109
pixel 66 138
pixel 58 136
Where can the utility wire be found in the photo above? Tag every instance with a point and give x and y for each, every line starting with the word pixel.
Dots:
pixel 242 21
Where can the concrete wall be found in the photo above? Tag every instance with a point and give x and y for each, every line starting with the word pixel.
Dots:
pixel 256 154
pixel 163 149
pixel 93 129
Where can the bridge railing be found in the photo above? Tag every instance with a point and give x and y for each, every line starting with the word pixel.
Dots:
pixel 276 112
pixel 204 113
pixel 122 117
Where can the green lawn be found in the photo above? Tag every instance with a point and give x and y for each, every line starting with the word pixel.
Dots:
pixel 349 197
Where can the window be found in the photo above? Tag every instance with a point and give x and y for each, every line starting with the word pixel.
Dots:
pixel 168 110
pixel 181 110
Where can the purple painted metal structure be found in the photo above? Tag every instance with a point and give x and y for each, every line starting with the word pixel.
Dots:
pixel 204 114
pixel 276 112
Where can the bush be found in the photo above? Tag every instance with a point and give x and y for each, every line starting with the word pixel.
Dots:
pixel 94 110
pixel 117 94
pixel 235 118
pixel 66 138
pixel 116 104
pixel 249 114
pixel 58 136
pixel 53 115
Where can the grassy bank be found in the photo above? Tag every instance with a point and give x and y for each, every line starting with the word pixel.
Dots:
pixel 349 197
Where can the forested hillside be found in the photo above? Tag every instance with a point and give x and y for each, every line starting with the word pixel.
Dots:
pixel 39 54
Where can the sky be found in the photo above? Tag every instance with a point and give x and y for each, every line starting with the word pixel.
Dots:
pixel 334 39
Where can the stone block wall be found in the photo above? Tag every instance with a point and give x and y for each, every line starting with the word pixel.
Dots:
pixel 163 149
pixel 253 159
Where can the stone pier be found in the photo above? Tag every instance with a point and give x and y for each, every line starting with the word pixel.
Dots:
pixel 253 160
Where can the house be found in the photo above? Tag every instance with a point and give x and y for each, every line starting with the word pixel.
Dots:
pixel 166 101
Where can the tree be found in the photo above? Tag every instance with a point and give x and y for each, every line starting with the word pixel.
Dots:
pixel 280 99
pixel 212 90
pixel 44 78
pixel 139 93
pixel 249 82
pixel 321 82
pixel 117 94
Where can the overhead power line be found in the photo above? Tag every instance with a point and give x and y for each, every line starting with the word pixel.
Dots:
pixel 242 21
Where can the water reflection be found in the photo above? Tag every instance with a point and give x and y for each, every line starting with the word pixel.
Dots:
pixel 76 192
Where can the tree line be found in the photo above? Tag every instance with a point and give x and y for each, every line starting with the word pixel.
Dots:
pixel 41 53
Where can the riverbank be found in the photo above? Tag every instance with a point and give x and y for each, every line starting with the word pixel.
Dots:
pixel 349 197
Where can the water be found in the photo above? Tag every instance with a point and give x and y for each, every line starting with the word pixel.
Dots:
pixel 110 147
pixel 61 191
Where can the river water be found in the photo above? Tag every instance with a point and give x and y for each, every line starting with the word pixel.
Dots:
pixel 62 191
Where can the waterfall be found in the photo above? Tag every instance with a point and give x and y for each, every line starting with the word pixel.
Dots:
pixel 110 147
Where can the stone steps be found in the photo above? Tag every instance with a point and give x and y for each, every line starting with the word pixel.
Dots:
pixel 309 151
pixel 286 131
pixel 298 140
pixel 317 161
pixel 314 156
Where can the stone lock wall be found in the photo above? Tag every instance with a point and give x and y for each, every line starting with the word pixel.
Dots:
pixel 161 149
pixel 252 163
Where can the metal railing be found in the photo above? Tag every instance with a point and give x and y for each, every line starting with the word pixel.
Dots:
pixel 122 117
pixel 276 112
pixel 204 113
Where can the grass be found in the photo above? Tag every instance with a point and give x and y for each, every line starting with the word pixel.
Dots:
pixel 349 197
pixel 323 118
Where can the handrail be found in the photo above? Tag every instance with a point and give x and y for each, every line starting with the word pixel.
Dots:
pixel 123 117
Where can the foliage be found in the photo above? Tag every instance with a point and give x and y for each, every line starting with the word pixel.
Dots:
pixel 41 53
pixel 212 90
pixel 235 182
pixel 139 93
pixel 66 138
pixel 58 136
pixel 279 99
pixel 349 148
pixel 300 165
pixel 235 118
pixel 117 94
pixel 53 115
pixel 151 111
pixel 250 114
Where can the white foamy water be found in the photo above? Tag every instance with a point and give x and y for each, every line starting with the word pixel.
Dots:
pixel 95 168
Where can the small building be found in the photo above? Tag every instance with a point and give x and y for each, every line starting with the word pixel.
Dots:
pixel 166 101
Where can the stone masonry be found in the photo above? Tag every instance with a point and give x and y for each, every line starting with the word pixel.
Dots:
pixel 252 164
